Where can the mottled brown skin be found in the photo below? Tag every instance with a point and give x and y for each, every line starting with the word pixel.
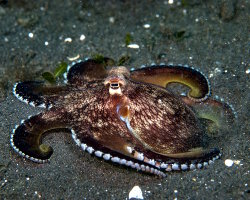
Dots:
pixel 173 125
pixel 112 110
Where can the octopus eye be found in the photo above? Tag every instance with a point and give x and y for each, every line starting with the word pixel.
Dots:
pixel 115 86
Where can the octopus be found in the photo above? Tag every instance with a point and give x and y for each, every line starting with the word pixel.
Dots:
pixel 128 117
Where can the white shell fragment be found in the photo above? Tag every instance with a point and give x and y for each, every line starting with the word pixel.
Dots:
pixel 133 46
pixel 229 162
pixel 82 37
pixel 135 193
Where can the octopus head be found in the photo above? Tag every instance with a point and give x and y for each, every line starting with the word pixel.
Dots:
pixel 116 81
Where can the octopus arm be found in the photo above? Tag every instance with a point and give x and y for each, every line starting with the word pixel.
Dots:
pixel 114 148
pixel 88 70
pixel 104 142
pixel 130 152
pixel 162 75
pixel 36 93
pixel 26 138
pixel 195 153
pixel 102 134
pixel 217 115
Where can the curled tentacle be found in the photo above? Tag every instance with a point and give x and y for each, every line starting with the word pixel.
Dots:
pixel 26 139
pixel 162 75
pixel 217 115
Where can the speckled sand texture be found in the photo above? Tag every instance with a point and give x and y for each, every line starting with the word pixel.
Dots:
pixel 211 35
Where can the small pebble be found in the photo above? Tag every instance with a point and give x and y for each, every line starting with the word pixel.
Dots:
pixel 31 35
pixel 229 162
pixel 135 193
pixel 82 37
pixel 133 46
pixel 111 20
pixel 68 39
pixel 146 25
